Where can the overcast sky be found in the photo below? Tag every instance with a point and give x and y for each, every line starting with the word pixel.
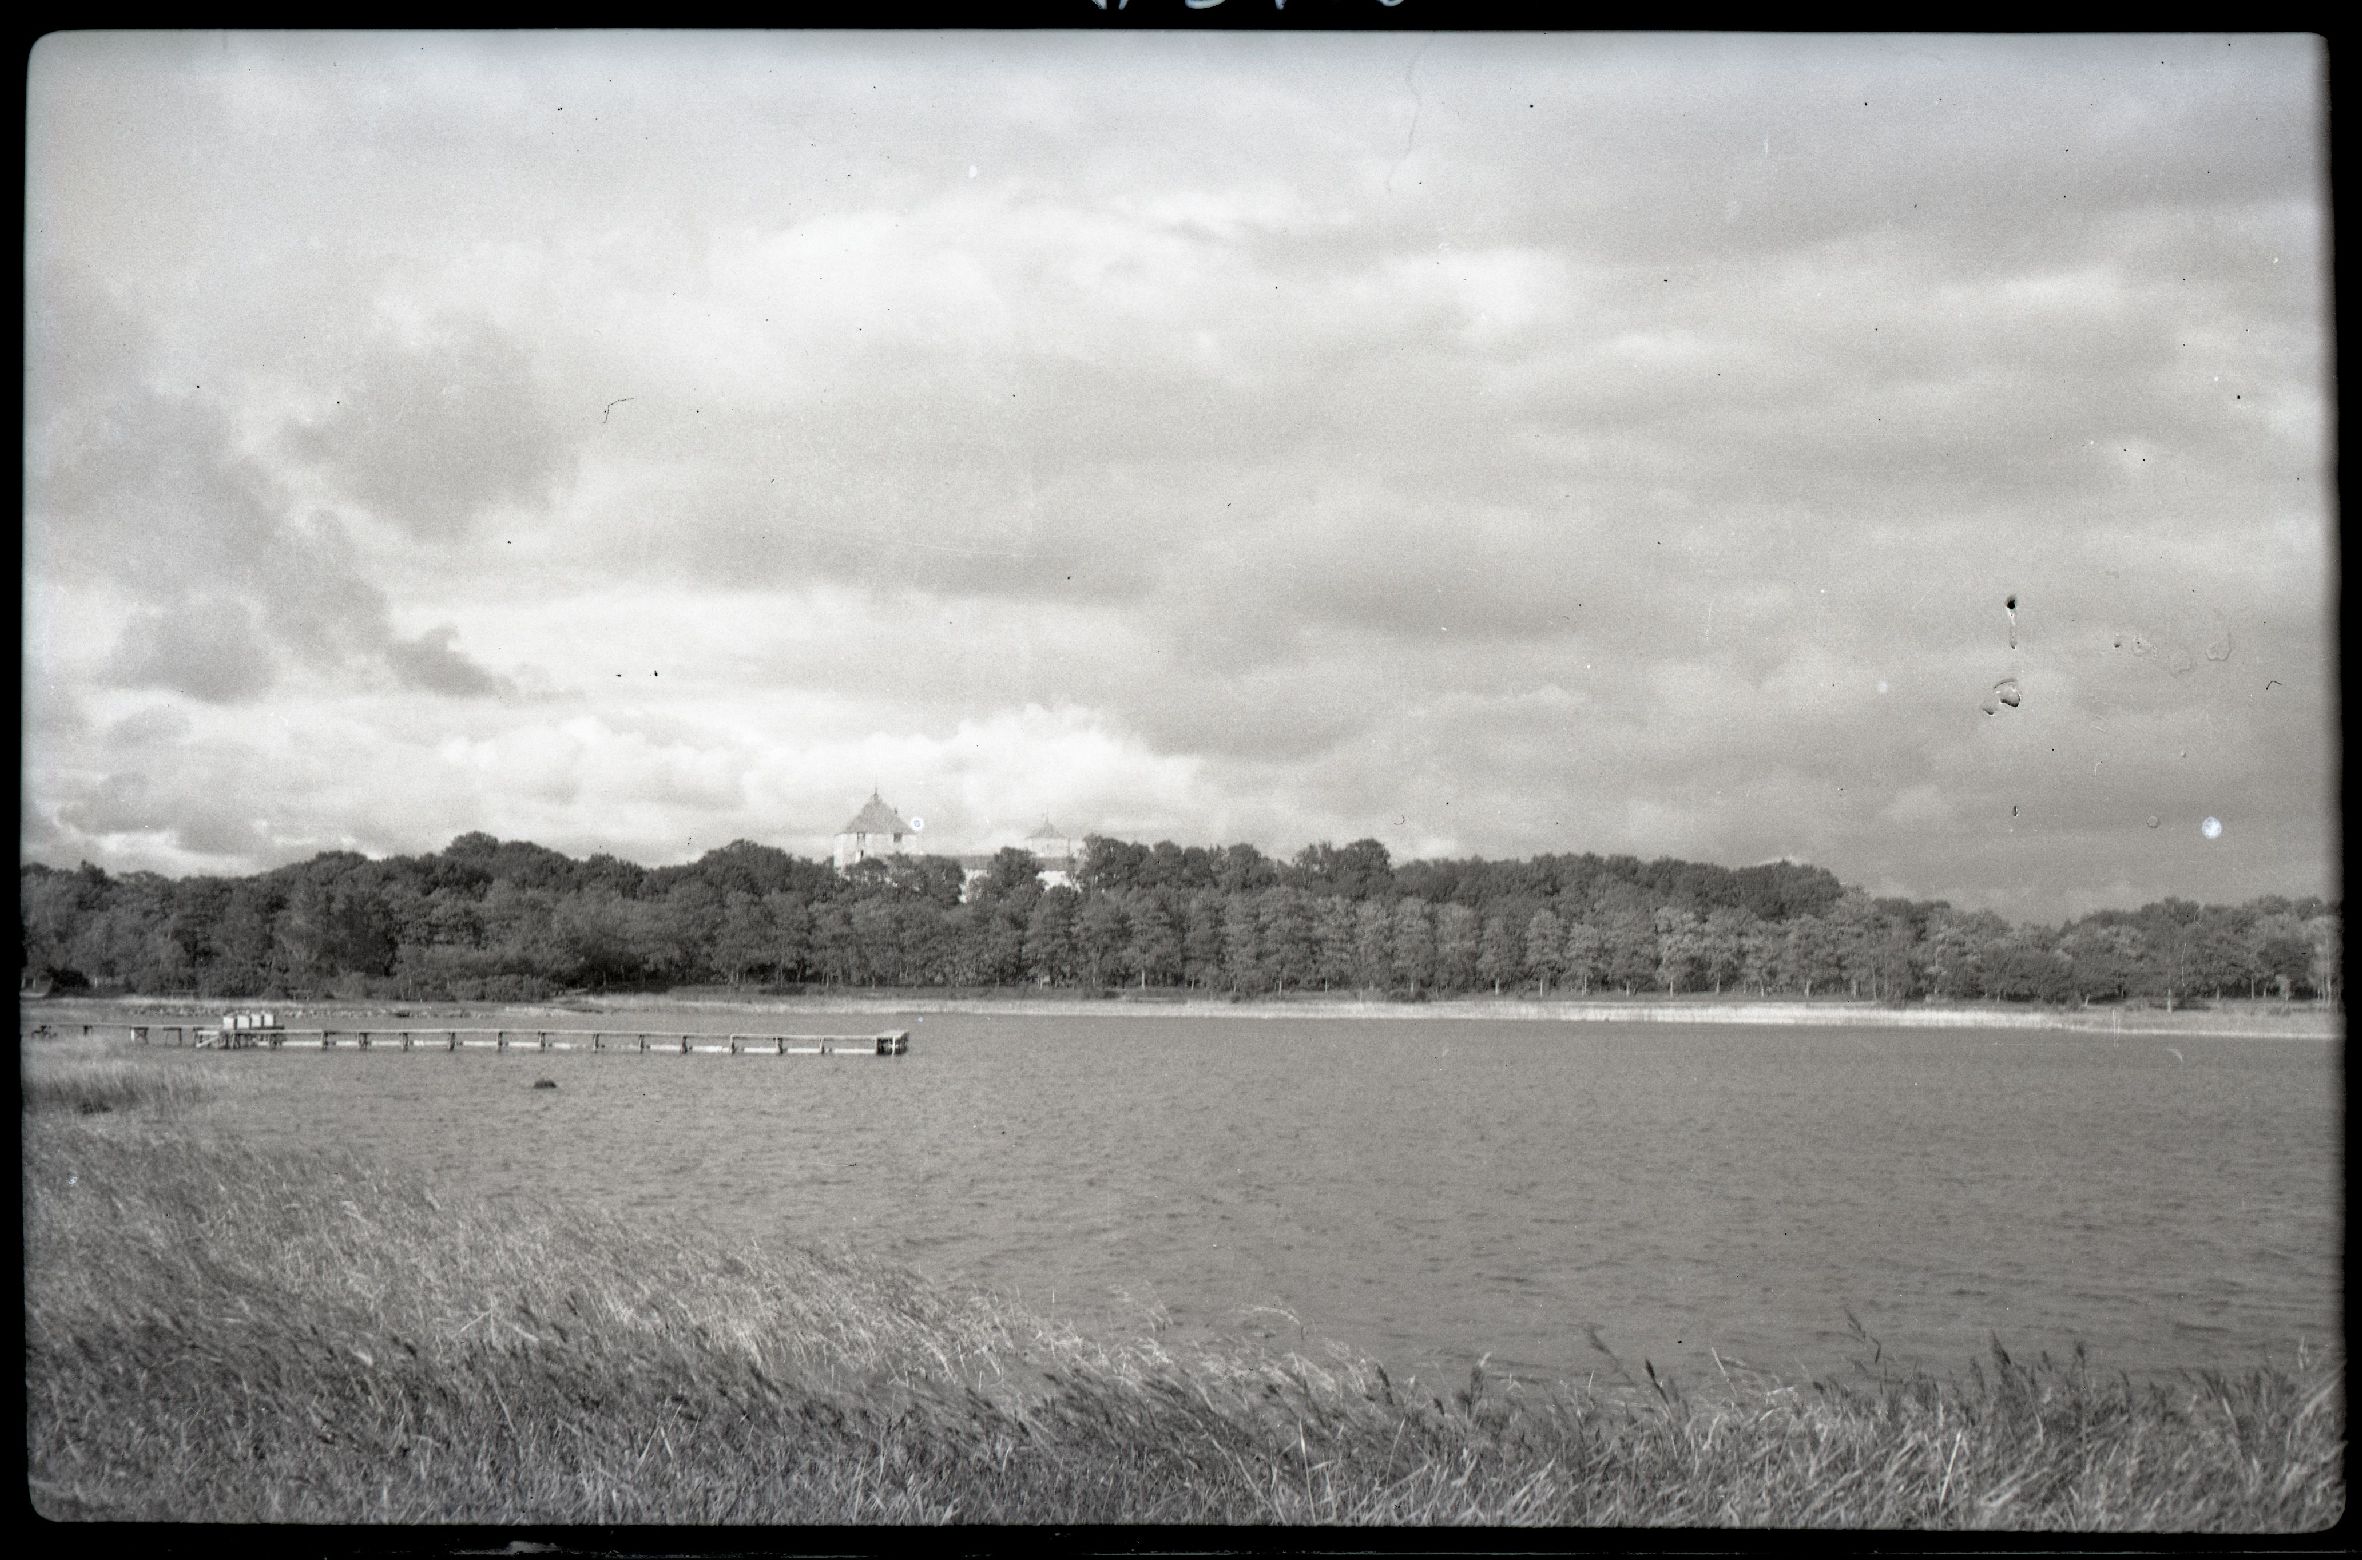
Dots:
pixel 1490 444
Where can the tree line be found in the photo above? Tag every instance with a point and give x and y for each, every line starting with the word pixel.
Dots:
pixel 487 919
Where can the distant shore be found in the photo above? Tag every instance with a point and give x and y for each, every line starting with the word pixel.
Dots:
pixel 2261 1021
pixel 2243 1019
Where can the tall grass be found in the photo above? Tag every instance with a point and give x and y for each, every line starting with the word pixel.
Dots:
pixel 97 1082
pixel 218 1332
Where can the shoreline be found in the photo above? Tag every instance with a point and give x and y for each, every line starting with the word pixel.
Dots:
pixel 2263 1021
pixel 1757 1014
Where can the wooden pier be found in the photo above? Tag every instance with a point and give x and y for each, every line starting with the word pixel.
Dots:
pixel 275 1037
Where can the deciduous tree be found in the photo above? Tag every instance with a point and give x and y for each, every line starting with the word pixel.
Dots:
pixel 1413 944
pixel 1545 948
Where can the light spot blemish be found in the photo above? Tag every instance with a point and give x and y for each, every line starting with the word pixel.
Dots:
pixel 2212 828
pixel 2154 820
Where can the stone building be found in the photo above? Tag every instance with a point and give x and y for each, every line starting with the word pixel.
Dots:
pixel 1057 856
pixel 1060 855
pixel 876 830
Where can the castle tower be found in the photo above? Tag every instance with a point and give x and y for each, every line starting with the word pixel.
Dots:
pixel 1060 856
pixel 876 830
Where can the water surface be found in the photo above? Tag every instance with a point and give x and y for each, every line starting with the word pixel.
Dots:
pixel 1430 1191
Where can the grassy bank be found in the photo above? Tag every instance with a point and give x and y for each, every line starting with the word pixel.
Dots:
pixel 220 1332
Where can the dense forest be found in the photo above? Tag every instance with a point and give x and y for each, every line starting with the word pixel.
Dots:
pixel 492 919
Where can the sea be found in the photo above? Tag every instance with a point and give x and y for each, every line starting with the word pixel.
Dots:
pixel 1563 1201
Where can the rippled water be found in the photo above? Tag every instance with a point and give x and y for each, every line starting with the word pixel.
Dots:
pixel 1429 1191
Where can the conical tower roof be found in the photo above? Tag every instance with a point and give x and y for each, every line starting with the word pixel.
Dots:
pixel 875 817
pixel 1047 831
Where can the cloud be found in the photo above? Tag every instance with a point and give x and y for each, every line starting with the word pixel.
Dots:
pixel 1623 444
pixel 129 816
pixel 150 502
pixel 210 650
pixel 430 432
pixel 428 663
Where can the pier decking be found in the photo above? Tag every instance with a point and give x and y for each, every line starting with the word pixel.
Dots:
pixel 273 1037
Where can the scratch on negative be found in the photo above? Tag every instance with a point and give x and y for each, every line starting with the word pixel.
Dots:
pixel 1410 80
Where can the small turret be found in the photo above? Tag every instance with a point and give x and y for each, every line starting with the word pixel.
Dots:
pixel 876 830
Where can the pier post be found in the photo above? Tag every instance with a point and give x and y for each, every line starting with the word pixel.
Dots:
pixel 500 1039
pixel 364 1039
pixel 733 1045
pixel 643 1044
pixel 595 1040
pixel 544 1039
pixel 684 1045
pixel 782 1045
pixel 86 1029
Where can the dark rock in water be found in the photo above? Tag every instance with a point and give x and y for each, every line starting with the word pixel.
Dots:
pixel 545 1083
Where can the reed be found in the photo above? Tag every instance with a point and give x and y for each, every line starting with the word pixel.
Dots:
pixel 220 1332
pixel 97 1082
